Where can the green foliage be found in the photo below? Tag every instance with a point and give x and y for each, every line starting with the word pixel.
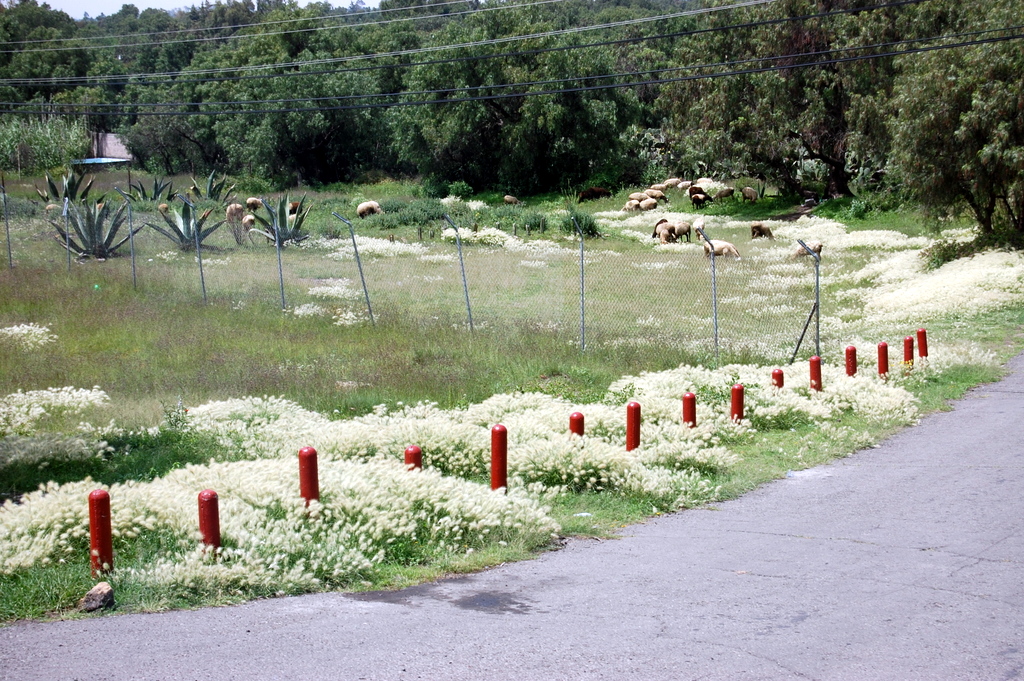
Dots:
pixel 460 189
pixel 29 146
pixel 95 227
pixel 586 222
pixel 71 187
pixel 183 226
pixel 213 189
pixel 162 190
pixel 282 224
pixel 948 250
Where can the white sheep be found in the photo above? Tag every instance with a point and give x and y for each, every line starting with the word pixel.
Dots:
pixel 368 208
pixel 658 187
pixel 511 200
pixel 655 194
pixel 648 204
pixel 253 204
pixel 721 248
pixel 234 212
pixel 672 182
pixel 638 196
pixel 249 222
pixel 801 251
pixel 631 206
pixel 684 185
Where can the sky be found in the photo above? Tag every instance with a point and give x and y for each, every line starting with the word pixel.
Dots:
pixel 77 8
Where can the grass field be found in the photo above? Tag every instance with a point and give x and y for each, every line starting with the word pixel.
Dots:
pixel 258 382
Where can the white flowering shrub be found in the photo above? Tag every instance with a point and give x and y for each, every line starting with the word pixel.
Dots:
pixel 27 336
pixel 20 412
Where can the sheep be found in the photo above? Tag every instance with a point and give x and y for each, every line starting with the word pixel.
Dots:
pixel 704 180
pixel 511 200
pixel 760 230
pixel 684 185
pixel 681 229
pixel 801 251
pixel 664 232
pixel 163 208
pixel 249 222
pixel 368 208
pixel 648 204
pixel 699 200
pixel 725 193
pixel 672 182
pixel 638 196
pixel 721 248
pixel 655 194
pixel 594 193
pixel 234 212
pixel 694 189
pixel 658 187
pixel 253 204
pixel 631 206
pixel 293 207
pixel 50 207
pixel 749 194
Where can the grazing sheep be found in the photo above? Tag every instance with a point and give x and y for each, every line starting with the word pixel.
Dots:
pixel 720 248
pixel 234 212
pixel 594 193
pixel 749 194
pixel 724 193
pixel 759 230
pixel 813 245
pixel 638 196
pixel 704 180
pixel 658 187
pixel 293 207
pixel 253 204
pixel 663 232
pixel 698 200
pixel 368 208
pixel 672 182
pixel 511 200
pixel 50 207
pixel 631 206
pixel 684 184
pixel 681 229
pixel 163 208
pixel 249 221
pixel 694 189
pixel 648 204
pixel 656 194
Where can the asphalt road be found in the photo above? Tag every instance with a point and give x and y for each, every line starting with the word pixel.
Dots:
pixel 904 561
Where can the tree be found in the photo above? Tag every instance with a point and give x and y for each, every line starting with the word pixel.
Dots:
pixel 959 130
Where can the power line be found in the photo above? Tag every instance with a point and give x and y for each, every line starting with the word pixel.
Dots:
pixel 461 100
pixel 731 63
pixel 520 53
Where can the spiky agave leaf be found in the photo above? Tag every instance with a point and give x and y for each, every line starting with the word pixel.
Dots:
pixel 279 225
pixel 183 226
pixel 95 237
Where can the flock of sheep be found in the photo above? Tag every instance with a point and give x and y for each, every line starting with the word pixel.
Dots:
pixel 648 199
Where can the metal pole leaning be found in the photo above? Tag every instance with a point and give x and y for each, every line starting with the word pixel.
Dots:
pixel 583 325
pixel 359 264
pixel 714 293
pixel 195 233
pixel 462 266
pixel 7 227
pixel 817 296
pixel 131 233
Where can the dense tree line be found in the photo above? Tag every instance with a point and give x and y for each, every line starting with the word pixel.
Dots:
pixel 835 95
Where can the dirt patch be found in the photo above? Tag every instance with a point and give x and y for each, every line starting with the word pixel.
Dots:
pixel 793 215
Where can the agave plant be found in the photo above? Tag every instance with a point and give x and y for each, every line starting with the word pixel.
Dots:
pixel 161 190
pixel 214 190
pixel 70 188
pixel 285 223
pixel 95 227
pixel 184 225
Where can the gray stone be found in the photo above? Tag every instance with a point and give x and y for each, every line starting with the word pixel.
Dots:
pixel 99 597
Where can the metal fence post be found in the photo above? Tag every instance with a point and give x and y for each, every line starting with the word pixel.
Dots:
pixel 583 323
pixel 195 233
pixel 67 236
pixel 7 227
pixel 714 293
pixel 462 265
pixel 815 310
pixel 359 263
pixel 131 234
pixel 277 244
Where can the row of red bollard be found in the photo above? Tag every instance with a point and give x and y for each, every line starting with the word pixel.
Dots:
pixel 883 354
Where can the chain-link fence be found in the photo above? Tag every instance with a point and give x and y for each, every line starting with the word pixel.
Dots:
pixel 625 290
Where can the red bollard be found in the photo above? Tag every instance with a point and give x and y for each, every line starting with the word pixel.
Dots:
pixel 908 352
pixel 632 425
pixel 816 373
pixel 922 343
pixel 778 378
pixel 413 457
pixel 101 543
pixel 736 411
pixel 883 359
pixel 209 518
pixel 851 361
pixel 576 423
pixel 499 457
pixel 690 410
pixel 309 479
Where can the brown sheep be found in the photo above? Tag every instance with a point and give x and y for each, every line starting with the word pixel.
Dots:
pixel 759 230
pixel 749 194
pixel 694 189
pixel 249 221
pixel 664 232
pixel 234 212
pixel 253 204
pixel 368 208
pixel 648 204
pixel 163 208
pixel 699 200
pixel 594 193
pixel 656 194
pixel 631 206
pixel 724 193
pixel 638 196
pixel 293 207
pixel 720 248
pixel 659 187
pixel 801 251
pixel 672 182
pixel 511 200
pixel 681 229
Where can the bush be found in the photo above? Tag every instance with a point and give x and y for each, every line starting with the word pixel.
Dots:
pixel 460 189
pixel 943 251
pixel 586 222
